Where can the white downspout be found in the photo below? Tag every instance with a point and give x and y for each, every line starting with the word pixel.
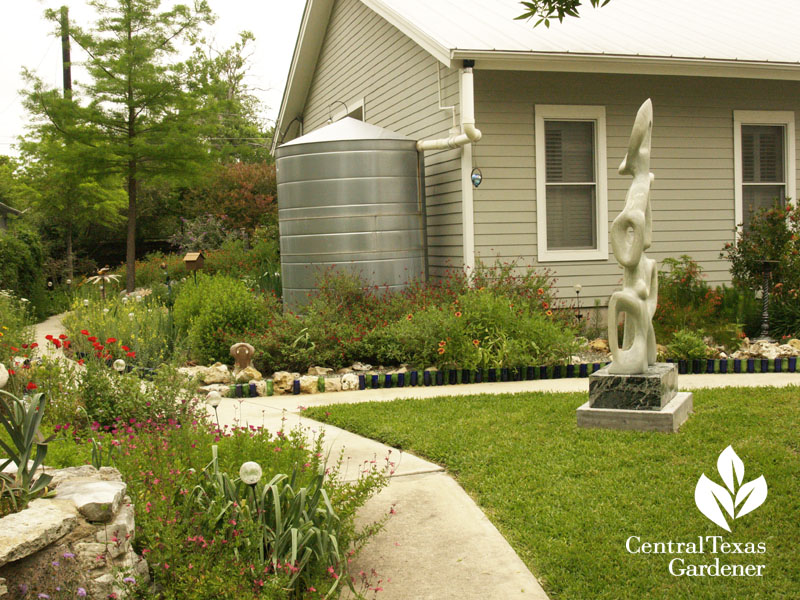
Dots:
pixel 470 132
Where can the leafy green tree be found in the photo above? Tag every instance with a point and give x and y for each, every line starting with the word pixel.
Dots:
pixel 135 116
pixel 68 194
pixel 554 9
pixel 219 77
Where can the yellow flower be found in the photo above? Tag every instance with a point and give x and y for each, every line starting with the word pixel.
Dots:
pixel 442 343
pixel 441 350
pixel 549 313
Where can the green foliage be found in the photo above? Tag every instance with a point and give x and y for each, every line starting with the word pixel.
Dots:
pixel 553 9
pixel 21 419
pixel 784 313
pixel 480 329
pixel 15 326
pixel 217 306
pixel 687 344
pixel 203 233
pixel 142 328
pixel 21 267
pixel 560 509
pixel 774 235
pixel 135 118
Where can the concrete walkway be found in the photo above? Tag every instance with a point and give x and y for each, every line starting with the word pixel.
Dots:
pixel 438 544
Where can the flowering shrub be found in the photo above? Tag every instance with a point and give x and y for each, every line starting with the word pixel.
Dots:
pixel 139 330
pixel 774 234
pixel 15 331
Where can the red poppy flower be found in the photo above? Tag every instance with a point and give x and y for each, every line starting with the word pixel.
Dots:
pixel 92 339
pixel 12 372
pixel 13 349
pixel 125 348
pixel 48 337
pixel 131 354
pixel 31 386
pixel 81 361
pixel 62 337
pixel 84 332
pixel 34 345
pixel 111 340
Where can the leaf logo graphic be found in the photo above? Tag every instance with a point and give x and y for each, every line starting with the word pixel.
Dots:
pixel 711 498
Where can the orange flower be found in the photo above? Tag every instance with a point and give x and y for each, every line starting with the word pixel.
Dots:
pixel 458 313
pixel 549 313
pixel 476 343
pixel 409 317
pixel 442 344
pixel 545 305
pixel 540 291
pixel 441 350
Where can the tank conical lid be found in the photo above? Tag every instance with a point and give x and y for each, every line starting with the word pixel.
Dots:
pixel 347 129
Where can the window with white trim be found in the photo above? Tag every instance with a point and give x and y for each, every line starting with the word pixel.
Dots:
pixel 764 161
pixel 571 187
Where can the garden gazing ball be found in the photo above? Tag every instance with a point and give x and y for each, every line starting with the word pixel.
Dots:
pixel 214 398
pixel 119 365
pixel 250 472
pixel 3 375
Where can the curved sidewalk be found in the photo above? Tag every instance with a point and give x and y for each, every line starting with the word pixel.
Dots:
pixel 438 544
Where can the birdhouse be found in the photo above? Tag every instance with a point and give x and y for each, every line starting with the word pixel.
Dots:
pixel 194 261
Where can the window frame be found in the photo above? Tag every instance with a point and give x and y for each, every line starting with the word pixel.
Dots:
pixel 559 112
pixel 762 117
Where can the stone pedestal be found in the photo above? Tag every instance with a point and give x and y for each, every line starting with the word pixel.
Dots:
pixel 652 390
pixel 648 401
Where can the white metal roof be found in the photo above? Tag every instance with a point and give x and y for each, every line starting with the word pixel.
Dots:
pixel 755 39
pixel 742 30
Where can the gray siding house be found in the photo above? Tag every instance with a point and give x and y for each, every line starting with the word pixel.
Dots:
pixel 555 108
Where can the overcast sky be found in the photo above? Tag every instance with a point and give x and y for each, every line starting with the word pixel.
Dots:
pixel 27 39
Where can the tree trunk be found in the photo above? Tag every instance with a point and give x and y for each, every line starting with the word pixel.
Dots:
pixel 70 259
pixel 130 255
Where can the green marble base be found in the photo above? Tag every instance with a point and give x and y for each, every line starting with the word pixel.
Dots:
pixel 652 390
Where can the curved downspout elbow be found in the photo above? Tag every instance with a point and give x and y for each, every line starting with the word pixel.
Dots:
pixel 470 133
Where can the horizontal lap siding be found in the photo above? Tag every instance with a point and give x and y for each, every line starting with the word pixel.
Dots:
pixel 692 159
pixel 363 56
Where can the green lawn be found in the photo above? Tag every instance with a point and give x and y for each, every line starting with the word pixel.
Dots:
pixel 567 499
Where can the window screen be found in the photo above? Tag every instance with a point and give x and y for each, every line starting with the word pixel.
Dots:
pixel 571 186
pixel 763 168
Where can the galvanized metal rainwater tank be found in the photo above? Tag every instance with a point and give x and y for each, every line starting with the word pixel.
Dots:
pixel 350 195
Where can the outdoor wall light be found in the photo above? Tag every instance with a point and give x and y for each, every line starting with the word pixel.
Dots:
pixel 214 398
pixel 476 176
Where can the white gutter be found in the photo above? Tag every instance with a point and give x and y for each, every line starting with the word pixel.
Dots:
pixel 470 133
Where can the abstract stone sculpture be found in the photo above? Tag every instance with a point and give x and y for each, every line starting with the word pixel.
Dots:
pixel 242 353
pixel 631 235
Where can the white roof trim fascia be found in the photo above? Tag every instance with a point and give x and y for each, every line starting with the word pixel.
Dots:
pixel 304 62
pixel 640 65
pixel 426 41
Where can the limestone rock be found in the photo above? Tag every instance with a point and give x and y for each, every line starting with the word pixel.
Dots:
pixel 261 387
pixel 198 372
pixel 248 374
pixel 349 382
pixel 282 381
pixel 83 472
pixel 215 387
pixel 333 384
pixel 787 350
pixel 599 345
pixel 30 530
pixel 217 373
pixel 3 587
pixel 357 366
pixel 117 533
pixel 794 343
pixel 344 371
pixel 323 371
pixel 95 500
pixel 402 369
pixel 308 384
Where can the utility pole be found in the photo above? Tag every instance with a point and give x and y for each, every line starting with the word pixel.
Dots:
pixel 66 64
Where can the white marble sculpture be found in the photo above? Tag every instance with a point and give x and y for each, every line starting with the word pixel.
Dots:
pixel 631 235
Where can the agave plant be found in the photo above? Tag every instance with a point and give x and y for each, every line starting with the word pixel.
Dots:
pixel 21 420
